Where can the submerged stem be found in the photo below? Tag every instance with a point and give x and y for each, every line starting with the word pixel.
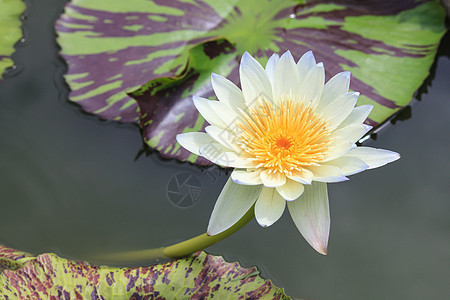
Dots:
pixel 181 249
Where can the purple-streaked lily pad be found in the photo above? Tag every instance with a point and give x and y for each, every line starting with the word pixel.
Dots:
pixel 171 47
pixel 199 276
pixel 113 47
pixel 10 31
pixel 167 102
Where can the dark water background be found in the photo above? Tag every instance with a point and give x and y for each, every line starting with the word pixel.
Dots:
pixel 70 184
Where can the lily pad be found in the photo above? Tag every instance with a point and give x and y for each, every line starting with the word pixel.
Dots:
pixel 171 47
pixel 10 32
pixel 112 47
pixel 199 276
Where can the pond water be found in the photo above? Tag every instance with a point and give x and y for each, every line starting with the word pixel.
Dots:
pixel 71 184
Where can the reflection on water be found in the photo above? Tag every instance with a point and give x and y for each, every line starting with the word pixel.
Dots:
pixel 70 184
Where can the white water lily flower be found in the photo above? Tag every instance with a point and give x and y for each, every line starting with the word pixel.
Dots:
pixel 286 134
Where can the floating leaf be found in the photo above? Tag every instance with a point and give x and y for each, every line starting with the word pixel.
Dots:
pixel 112 48
pixel 10 32
pixel 165 114
pixel 199 276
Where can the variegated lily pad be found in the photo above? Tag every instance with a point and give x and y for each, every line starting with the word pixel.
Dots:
pixel 199 276
pixel 10 32
pixel 171 47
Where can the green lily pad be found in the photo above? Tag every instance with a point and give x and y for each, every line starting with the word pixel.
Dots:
pixel 169 49
pixel 199 276
pixel 10 32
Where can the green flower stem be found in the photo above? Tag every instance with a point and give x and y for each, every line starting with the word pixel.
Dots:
pixel 178 250
pixel 204 241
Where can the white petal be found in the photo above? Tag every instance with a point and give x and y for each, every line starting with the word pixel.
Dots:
pixel 351 133
pixel 327 173
pixel 269 207
pixel 311 215
pixel 287 80
pixel 254 80
pixel 349 165
pixel 291 190
pixel 339 147
pixel 305 177
pixel 335 112
pixel 233 202
pixel 222 156
pixel 225 113
pixel 192 141
pixel 213 151
pixel 374 157
pixel 335 87
pixel 246 177
pixel 227 92
pixel 312 86
pixel 305 64
pixel 358 115
pixel 272 179
pixel 207 113
pixel 271 67
pixel 224 137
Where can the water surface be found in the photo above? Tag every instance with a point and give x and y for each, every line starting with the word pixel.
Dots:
pixel 70 184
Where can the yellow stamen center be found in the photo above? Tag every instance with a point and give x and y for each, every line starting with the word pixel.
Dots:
pixel 284 138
